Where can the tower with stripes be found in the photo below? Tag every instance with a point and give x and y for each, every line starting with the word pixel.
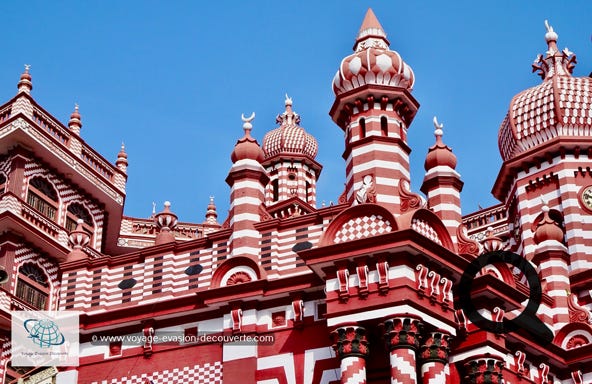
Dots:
pixel 374 108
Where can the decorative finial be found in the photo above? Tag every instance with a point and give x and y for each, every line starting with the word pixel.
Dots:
pixel 211 199
pixel 122 146
pixel 27 67
pixel 551 35
pixel 438 131
pixel 247 126
pixel 288 100
pixel 153 208
pixel 76 106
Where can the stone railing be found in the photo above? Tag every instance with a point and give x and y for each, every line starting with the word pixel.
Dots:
pixel 96 163
pixel 491 216
pixel 58 132
pixel 5 113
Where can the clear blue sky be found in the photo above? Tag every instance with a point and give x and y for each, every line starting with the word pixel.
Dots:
pixel 171 79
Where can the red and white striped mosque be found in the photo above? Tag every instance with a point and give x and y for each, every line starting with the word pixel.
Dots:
pixel 362 291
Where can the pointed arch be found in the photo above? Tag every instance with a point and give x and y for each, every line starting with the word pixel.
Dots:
pixel 33 285
pixel 43 196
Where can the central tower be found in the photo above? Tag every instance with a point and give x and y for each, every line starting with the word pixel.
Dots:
pixel 374 107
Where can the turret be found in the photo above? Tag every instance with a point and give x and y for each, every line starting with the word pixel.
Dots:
pixel 374 107
pixel 442 184
pixel 247 180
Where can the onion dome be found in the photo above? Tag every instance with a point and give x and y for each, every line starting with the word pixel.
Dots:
pixel 247 147
pixel 372 61
pixel 560 106
pixel 166 221
pixel 547 229
pixel 25 84
pixel 439 154
pixel 75 122
pixel 290 137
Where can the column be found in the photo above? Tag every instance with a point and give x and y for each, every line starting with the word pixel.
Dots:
pixel 434 358
pixel 351 346
pixel 401 334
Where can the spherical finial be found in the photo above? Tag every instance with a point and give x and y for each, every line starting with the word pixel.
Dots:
pixel 25 84
pixel 79 221
pixel 545 208
pixel 167 204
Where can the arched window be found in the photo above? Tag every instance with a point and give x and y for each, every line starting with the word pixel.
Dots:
pixel 43 197
pixel 362 128
pixel 276 189
pixel 2 183
pixel 308 192
pixel 32 286
pixel 383 126
pixel 78 211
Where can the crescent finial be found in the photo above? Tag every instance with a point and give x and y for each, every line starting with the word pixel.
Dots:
pixel 438 126
pixel 247 119
pixel 288 100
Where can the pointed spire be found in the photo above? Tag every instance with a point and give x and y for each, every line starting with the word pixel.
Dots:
pixel 211 213
pixel 371 34
pixel 121 161
pixel 25 85
pixel 75 123
pixel 554 62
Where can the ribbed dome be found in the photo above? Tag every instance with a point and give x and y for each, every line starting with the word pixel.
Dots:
pixel 289 138
pixel 560 106
pixel 372 62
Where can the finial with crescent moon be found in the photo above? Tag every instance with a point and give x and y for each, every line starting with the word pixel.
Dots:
pixel 438 126
pixel 288 100
pixel 247 126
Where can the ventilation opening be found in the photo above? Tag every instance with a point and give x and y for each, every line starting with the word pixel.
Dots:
pixel 383 126
pixel 362 128
pixel 276 189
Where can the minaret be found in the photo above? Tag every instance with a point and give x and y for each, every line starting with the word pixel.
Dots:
pixel 166 221
pixel 23 103
pixel 211 213
pixel 442 184
pixel 290 160
pixel 247 179
pixel 121 162
pixel 374 107
pixel 75 123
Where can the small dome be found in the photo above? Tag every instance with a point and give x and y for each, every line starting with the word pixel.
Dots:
pixel 439 154
pixel 289 137
pixel 372 62
pixel 547 229
pixel 247 147
pixel 560 106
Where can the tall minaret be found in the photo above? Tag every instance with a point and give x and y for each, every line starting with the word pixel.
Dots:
pixel 290 160
pixel 442 184
pixel 374 107
pixel 247 179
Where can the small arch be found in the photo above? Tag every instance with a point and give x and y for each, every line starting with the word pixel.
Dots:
pixel 43 196
pixel 384 126
pixel 32 286
pixel 583 331
pixel 76 211
pixel 362 123
pixel 432 220
pixel 233 265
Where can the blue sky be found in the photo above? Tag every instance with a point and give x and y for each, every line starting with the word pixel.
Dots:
pixel 171 79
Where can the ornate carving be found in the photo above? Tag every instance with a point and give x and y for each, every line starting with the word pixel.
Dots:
pixel 382 268
pixel 343 280
pixel 367 192
pixel 544 373
pixel 576 342
pixel 342 198
pixel 484 371
pixel 263 214
pixel 237 319
pixel 402 332
pixel 577 313
pixel 362 271
pixel 466 245
pixel 409 200
pixel 350 341
pixel 298 308
pixel 519 358
pixel 436 347
pixel 238 278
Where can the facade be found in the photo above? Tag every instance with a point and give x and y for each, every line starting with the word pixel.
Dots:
pixel 367 290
